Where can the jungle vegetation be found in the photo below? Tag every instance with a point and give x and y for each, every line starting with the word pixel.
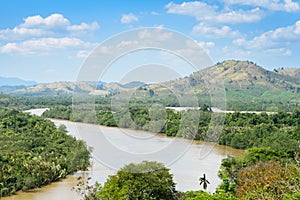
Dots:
pixel 34 152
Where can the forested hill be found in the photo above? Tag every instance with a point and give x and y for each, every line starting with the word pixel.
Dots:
pixel 242 76
pixel 247 85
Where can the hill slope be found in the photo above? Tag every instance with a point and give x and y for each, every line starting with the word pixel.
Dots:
pixel 292 72
pixel 247 85
pixel 70 88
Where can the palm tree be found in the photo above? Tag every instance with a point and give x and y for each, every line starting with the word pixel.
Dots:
pixel 204 181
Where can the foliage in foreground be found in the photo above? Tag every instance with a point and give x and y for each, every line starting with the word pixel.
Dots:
pixel 268 180
pixel 146 180
pixel 33 152
pixel 262 173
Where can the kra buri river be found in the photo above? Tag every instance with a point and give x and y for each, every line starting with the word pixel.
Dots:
pixel 115 147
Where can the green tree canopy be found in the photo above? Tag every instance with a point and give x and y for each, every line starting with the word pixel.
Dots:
pixel 146 180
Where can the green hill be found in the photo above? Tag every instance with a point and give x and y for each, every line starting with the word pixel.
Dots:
pixel 247 86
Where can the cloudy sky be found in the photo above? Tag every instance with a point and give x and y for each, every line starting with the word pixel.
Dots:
pixel 49 40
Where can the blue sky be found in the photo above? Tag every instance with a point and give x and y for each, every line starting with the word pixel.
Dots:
pixel 48 40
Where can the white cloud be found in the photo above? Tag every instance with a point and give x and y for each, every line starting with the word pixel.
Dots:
pixel 240 16
pixel 154 13
pixel 127 43
pixel 213 21
pixel 283 36
pixel 51 22
pixel 206 46
pixel 208 13
pixel 83 54
pixel 279 52
pixel 274 5
pixel 42 45
pixel 129 18
pixel 37 26
pixel 158 34
pixel 203 29
pixel 84 27
pixel 38 35
pixel 195 8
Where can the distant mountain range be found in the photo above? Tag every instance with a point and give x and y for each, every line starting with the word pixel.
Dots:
pixel 15 82
pixel 8 85
pixel 244 82
pixel 69 88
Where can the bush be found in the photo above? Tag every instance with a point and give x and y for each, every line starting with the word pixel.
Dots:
pixel 147 180
pixel 267 180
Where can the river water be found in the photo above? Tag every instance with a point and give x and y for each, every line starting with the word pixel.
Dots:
pixel 114 147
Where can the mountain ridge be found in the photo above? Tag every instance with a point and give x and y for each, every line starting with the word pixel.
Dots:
pixel 244 83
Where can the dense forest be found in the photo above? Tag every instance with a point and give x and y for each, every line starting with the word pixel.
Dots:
pixel 24 103
pixel 34 152
pixel 167 100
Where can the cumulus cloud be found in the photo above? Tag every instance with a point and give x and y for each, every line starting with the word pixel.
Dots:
pixel 39 35
pixel 240 16
pixel 51 22
pixel 211 13
pixel 274 5
pixel 83 54
pixel 214 22
pixel 84 27
pixel 129 18
pixel 157 35
pixel 37 46
pixel 37 26
pixel 203 29
pixel 206 46
pixel 283 36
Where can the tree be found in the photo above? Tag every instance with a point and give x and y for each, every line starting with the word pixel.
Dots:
pixel 146 180
pixel 204 181
pixel 151 93
pixel 268 180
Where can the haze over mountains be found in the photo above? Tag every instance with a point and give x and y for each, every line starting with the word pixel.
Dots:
pixel 244 81
pixel 11 81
